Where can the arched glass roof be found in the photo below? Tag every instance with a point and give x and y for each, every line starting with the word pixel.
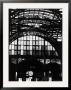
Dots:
pixel 46 20
pixel 29 44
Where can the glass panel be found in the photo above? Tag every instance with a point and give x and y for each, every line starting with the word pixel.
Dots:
pixel 40 47
pixel 22 47
pixel 21 42
pixel 46 47
pixel 36 42
pixel 19 47
pixel 24 42
pixel 49 44
pixel 15 52
pixel 12 42
pixel 21 38
pixel 33 42
pixel 9 46
pixel 37 47
pixel 31 52
pixel 12 46
pixel 15 47
pixel 30 37
pixel 39 38
pixel 50 47
pixel 33 37
pixel 33 47
pixel 46 43
pixel 28 47
pixel 36 38
pixel 24 52
pixel 24 38
pixel 53 48
pixel 12 52
pixel 40 43
pixel 15 42
pixel 28 42
pixel 21 52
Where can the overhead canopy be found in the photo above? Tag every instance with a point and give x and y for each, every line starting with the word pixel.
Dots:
pixel 43 20
pixel 45 23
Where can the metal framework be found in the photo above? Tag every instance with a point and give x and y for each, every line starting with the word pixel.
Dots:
pixel 35 34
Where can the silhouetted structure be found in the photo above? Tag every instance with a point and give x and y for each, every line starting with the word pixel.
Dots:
pixel 35 44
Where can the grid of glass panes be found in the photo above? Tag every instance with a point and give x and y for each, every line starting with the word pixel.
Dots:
pixel 13 48
pixel 31 45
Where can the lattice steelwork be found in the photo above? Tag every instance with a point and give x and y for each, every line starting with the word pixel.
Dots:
pixel 35 44
pixel 49 21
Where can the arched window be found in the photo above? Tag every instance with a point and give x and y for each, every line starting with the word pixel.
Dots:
pixel 32 45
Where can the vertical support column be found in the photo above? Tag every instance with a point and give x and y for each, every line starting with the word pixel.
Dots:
pixel 44 52
pixel 17 49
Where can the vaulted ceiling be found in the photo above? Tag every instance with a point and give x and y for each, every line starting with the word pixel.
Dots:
pixel 46 21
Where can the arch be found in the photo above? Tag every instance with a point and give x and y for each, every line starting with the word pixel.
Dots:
pixel 54 13
pixel 38 41
pixel 53 42
pixel 18 20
